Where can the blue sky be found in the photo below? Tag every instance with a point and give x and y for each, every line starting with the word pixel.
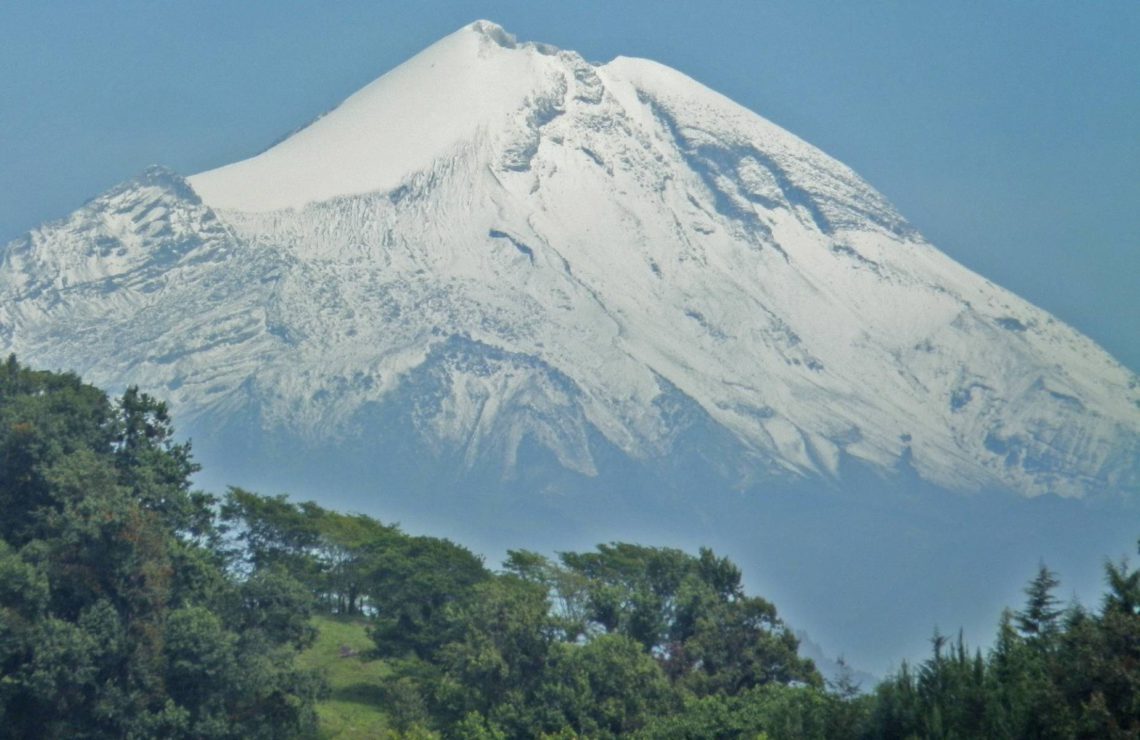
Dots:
pixel 1008 134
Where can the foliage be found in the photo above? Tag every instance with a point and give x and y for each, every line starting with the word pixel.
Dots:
pixel 1050 674
pixel 133 606
pixel 117 618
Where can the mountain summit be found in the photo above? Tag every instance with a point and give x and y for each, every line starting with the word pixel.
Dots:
pixel 469 86
pixel 498 244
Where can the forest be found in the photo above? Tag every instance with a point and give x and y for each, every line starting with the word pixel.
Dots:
pixel 134 606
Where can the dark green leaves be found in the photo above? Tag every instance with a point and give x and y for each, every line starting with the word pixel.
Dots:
pixel 117 616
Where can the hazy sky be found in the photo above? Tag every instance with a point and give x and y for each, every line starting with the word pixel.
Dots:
pixel 1009 135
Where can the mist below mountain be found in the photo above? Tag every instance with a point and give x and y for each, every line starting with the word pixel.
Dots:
pixel 517 298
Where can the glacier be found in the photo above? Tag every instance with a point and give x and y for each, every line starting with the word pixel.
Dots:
pixel 565 289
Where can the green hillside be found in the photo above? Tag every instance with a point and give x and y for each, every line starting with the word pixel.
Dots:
pixel 133 606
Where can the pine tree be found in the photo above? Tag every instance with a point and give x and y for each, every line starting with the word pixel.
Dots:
pixel 1038 621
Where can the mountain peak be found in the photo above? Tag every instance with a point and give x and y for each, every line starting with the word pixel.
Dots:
pixel 494 32
pixel 557 253
pixel 445 97
pixel 501 284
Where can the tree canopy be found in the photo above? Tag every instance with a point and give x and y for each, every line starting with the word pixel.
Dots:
pixel 133 606
pixel 117 619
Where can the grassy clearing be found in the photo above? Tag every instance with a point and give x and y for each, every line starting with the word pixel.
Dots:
pixel 353 708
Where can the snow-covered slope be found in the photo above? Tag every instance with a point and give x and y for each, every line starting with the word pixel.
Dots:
pixel 527 248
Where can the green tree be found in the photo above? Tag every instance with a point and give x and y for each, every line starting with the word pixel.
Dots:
pixel 411 582
pixel 1038 620
pixel 116 616
pixel 609 687
pixel 273 532
pixel 43 418
pixel 689 612
pixel 348 547
pixel 502 639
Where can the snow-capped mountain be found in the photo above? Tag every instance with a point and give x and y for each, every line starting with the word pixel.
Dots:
pixel 516 298
pixel 521 247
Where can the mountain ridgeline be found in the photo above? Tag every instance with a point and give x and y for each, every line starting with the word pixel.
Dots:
pixel 517 296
